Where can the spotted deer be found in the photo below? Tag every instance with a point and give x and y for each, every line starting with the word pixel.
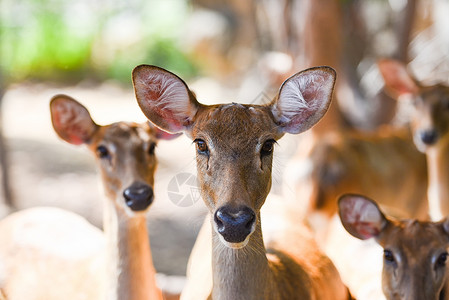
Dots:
pixel 414 252
pixel 430 126
pixel 234 153
pixel 67 257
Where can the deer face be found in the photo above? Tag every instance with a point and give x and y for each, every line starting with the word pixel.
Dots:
pixel 124 152
pixel 234 145
pixel 430 118
pixel 125 156
pixel 415 252
pixel 234 142
pixel 415 256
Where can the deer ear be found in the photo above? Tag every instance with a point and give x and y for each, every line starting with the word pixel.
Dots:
pixel 164 98
pixel 304 99
pixel 445 223
pixel 361 216
pixel 398 80
pixel 71 120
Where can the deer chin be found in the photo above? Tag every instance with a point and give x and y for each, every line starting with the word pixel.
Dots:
pixel 234 245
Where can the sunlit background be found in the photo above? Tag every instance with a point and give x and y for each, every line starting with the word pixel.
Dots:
pixel 226 50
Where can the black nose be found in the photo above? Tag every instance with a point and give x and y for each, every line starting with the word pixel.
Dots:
pixel 138 196
pixel 234 224
pixel 429 137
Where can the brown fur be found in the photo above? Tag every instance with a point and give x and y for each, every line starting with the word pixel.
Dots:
pixel 119 264
pixel 233 172
pixel 431 112
pixel 130 268
pixel 415 269
pixel 430 115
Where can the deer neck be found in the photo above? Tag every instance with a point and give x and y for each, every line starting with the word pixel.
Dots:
pixel 130 267
pixel 241 273
pixel 438 173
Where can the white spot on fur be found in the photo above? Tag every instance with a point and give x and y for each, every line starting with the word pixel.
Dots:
pixel 234 245
pixel 143 134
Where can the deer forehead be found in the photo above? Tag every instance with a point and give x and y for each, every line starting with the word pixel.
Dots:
pixel 417 240
pixel 126 134
pixel 434 94
pixel 235 125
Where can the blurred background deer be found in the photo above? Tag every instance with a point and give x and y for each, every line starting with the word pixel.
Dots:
pixel 225 50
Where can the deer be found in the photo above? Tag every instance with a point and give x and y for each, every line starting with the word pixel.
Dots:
pixel 234 152
pixel 430 127
pixel 414 252
pixel 120 265
pixel 382 164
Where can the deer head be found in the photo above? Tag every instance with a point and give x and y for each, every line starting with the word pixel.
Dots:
pixel 415 252
pixel 234 142
pixel 430 119
pixel 124 152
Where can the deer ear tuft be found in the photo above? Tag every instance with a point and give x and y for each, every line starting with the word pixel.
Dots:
pixel 164 98
pixel 304 99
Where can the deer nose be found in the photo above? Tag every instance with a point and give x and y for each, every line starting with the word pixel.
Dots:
pixel 234 224
pixel 138 196
pixel 429 137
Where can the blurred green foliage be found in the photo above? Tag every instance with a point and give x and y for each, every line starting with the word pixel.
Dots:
pixel 70 41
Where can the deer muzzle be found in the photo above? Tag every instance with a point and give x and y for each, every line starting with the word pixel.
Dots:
pixel 235 224
pixel 138 196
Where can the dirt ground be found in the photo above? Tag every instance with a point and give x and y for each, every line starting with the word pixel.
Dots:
pixel 46 171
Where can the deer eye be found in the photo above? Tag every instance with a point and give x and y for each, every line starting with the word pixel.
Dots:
pixel 267 148
pixel 388 256
pixel 151 148
pixel 441 261
pixel 102 152
pixel 201 147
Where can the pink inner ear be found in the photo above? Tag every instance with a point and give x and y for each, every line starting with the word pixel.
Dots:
pixel 361 216
pixel 163 98
pixel 397 78
pixel 72 122
pixel 304 99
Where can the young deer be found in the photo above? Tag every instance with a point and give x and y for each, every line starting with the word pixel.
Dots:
pixel 383 164
pixel 125 156
pixel 234 145
pixel 415 252
pixel 430 126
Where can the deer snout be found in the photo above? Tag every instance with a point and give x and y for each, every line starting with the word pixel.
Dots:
pixel 235 224
pixel 429 137
pixel 138 196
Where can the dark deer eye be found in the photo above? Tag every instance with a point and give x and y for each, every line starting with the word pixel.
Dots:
pixel 201 147
pixel 267 148
pixel 151 149
pixel 388 256
pixel 441 261
pixel 102 152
